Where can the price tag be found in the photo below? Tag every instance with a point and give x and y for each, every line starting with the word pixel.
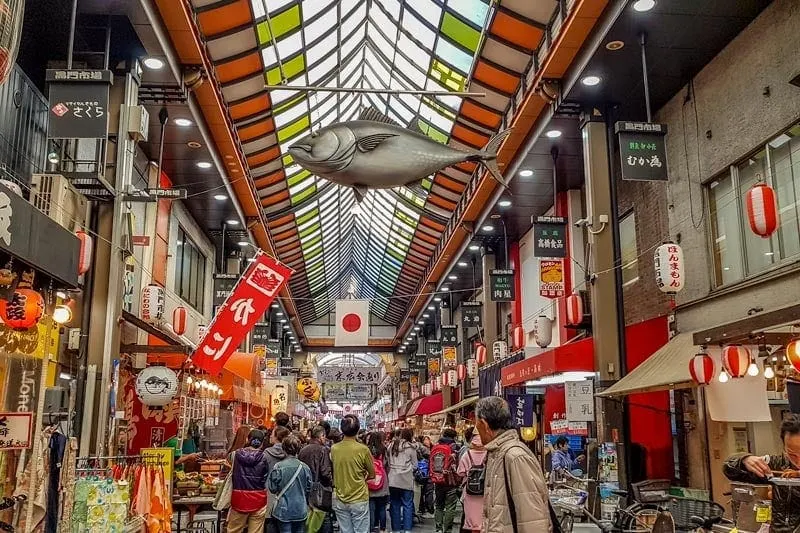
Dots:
pixel 763 514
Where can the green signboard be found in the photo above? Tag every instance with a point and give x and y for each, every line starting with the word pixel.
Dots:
pixel 501 285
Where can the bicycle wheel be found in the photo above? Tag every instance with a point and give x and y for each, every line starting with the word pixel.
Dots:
pixel 567 522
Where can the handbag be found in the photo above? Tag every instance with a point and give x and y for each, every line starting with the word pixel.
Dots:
pixel 272 500
pixel 316 517
pixel 321 497
pixel 223 498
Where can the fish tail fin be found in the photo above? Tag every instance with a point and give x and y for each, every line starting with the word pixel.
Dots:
pixel 488 156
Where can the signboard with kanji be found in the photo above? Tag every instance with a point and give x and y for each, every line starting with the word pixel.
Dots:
pixel 433 348
pixel 449 336
pixel 471 314
pixel 255 291
pixel 271 367
pixel 550 237
pixel 579 400
pixel 522 410
pixel 642 150
pixel 449 357
pixel 16 430
pixel 223 285
pixel 501 285
pixel 551 278
pixel 353 374
pixel 434 367
pixel 78 103
pixel 260 334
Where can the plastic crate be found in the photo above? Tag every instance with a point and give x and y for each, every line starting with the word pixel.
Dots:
pixel 683 509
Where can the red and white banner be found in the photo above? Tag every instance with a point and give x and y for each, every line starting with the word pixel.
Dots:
pixel 245 305
pixel 352 323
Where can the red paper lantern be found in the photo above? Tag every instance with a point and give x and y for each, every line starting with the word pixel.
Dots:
pixel 735 360
pixel 23 310
pixel 762 209
pixel 702 369
pixel 574 309
pixel 793 353
pixel 86 250
pixel 179 316
pixel 444 382
pixel 518 338
pixel 480 354
pixel 462 372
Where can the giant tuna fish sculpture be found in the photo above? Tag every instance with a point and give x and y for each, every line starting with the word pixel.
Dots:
pixel 374 152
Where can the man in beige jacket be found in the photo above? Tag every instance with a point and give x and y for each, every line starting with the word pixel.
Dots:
pixel 515 494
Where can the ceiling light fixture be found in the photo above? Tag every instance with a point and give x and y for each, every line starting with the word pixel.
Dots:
pixel 614 45
pixel 232 222
pixel 463 264
pixel 445 289
pixel 283 321
pixel 553 134
pixel 504 203
pixel 474 247
pixel 286 327
pixel 417 328
pixel 183 122
pixel 437 299
pixel 452 276
pixel 590 81
pixel 644 5
pixel 431 308
pixel 274 306
pixel 279 313
pixel 243 243
pixel 153 63
pixel 220 197
pixel 193 144
pixel 488 227
pixel 526 173
pixel 426 315
pixel 203 164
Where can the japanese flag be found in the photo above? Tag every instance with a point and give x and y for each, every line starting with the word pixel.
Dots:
pixel 352 323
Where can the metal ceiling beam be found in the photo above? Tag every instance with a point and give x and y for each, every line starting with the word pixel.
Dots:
pixel 748 327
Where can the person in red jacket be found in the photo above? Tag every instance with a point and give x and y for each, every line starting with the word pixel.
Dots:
pixel 249 496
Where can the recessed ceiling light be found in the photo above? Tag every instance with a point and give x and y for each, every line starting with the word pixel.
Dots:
pixel 437 298
pixel 615 45
pixel 527 173
pixel 193 144
pixel 203 164
pixel 286 327
pixel 243 243
pixel 220 197
pixel 417 328
pixel 283 321
pixel 590 81
pixel 232 222
pixel 153 63
pixel 474 247
pixel 405 344
pixel 445 288
pixel 553 134
pixel 488 227
pixel 462 264
pixel 504 203
pixel 279 313
pixel 182 122
pixel 421 322
pixel 644 5
pixel 274 306
pixel 426 315
pixel 452 276
pixel 431 308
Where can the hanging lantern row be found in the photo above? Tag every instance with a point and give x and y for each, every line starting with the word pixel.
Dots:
pixel 669 265
pixel 574 309
pixel 86 250
pixel 202 384
pixel 702 368
pixel 179 318
pixel 761 204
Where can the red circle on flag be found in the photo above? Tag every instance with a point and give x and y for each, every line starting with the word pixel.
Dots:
pixel 351 322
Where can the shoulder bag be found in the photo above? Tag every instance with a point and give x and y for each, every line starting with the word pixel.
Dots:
pixel 223 498
pixel 272 500
pixel 555 525
pixel 320 497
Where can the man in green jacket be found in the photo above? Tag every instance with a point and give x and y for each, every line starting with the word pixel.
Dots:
pixel 352 467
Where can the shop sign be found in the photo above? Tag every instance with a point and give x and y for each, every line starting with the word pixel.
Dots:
pixel 642 150
pixel 279 399
pixel 78 103
pixel 16 430
pixel 449 357
pixel 271 366
pixel 579 400
pixel 354 374
pixel 550 237
pixel 434 367
pixel 256 290
pixel 260 334
pixel 164 458
pixel 564 427
pixel 501 283
pixel 433 349
pixel 521 410
pixel 36 239
pixel 174 193
pixel 359 391
pixel 449 336
pixel 37 341
pixel 223 285
pixel 551 278
pixel 471 314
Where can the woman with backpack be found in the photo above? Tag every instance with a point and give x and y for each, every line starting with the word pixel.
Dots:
pixel 379 485
pixel 289 486
pixel 402 461
pixel 471 468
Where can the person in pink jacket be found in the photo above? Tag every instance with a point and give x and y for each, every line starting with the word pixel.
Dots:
pixel 475 456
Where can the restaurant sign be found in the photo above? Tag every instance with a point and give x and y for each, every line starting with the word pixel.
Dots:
pixel 522 410
pixel 642 150
pixel 501 283
pixel 449 336
pixel 354 374
pixel 550 237
pixel 471 314
pixel 551 278
pixel 78 103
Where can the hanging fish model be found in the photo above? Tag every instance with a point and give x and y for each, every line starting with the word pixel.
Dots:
pixel 374 152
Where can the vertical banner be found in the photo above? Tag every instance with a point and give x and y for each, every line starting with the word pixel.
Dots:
pixel 551 278
pixel 522 410
pixel 251 296
pixel 449 336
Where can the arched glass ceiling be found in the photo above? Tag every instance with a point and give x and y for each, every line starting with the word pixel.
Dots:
pixel 345 360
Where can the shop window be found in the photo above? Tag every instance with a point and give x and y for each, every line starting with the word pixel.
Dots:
pixel 737 251
pixel 628 248
pixel 190 271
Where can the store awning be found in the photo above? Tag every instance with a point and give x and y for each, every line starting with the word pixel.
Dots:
pixel 244 365
pixel 463 403
pixel 667 368
pixel 427 405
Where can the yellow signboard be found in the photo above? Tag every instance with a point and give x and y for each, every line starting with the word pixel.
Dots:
pixel 163 457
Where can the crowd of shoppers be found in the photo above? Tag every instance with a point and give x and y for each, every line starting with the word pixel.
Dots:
pixel 284 482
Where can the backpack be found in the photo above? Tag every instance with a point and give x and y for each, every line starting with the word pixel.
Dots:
pixel 379 481
pixel 476 477
pixel 421 472
pixel 443 466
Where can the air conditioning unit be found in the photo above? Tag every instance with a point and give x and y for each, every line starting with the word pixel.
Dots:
pixel 54 195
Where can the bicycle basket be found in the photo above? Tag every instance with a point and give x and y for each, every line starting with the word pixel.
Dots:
pixel 651 491
pixel 683 509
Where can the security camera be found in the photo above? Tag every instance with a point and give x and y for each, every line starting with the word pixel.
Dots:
pixel 583 222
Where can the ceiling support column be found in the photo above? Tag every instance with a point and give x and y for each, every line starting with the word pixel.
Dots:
pixel 607 319
pixel 490 327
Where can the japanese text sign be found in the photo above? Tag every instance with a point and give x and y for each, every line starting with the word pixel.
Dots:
pixel 434 367
pixel 256 290
pixel 271 367
pixel 223 285
pixel 551 278
pixel 501 285
pixel 550 237
pixel 15 430
pixel 352 374
pixel 579 400
pixel 642 150
pixel 78 103
pixel 449 357
pixel 471 314
pixel 449 335
pixel 260 334
pixel 433 349
pixel 521 410
pixel 668 262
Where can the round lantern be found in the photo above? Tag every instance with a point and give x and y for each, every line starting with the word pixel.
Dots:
pixel 152 308
pixel 179 316
pixel 86 250
pixel 499 350
pixel 668 260
pixel 452 378
pixel 156 386
pixel 574 309
pixel 472 368
pixel 308 388
pixel 701 368
pixel 543 331
pixel 735 360
pixel 762 209
pixel 480 354
pixel 518 338
pixel 23 310
pixel 462 371
pixel 438 382
pixel 793 353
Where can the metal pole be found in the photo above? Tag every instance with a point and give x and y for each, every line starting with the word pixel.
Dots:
pixel 107 50
pixel 554 154
pixel 642 41
pixel 71 43
pixel 364 90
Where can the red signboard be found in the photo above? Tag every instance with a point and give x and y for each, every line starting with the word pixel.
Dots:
pixel 577 356
pixel 243 308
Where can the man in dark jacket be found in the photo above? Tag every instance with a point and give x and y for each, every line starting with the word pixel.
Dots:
pixel 318 458
pixel 249 496
pixel 748 468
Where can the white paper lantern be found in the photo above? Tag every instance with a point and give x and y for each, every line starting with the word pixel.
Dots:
pixel 152 308
pixel 156 386
pixel 668 261
pixel 452 378
pixel 472 368
pixel 543 331
pixel 499 351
